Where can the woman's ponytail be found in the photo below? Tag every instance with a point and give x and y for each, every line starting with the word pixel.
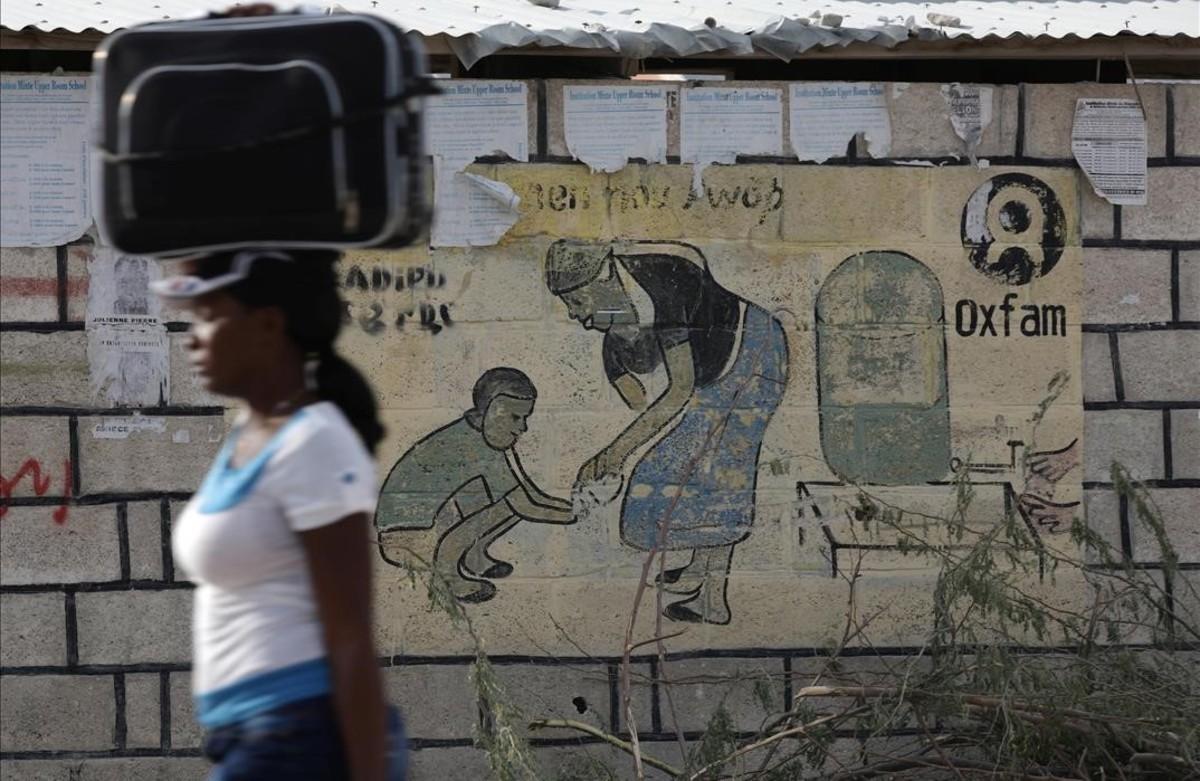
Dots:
pixel 306 290
pixel 339 382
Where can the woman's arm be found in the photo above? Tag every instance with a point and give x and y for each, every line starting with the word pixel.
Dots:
pixel 632 391
pixel 340 568
pixel 681 377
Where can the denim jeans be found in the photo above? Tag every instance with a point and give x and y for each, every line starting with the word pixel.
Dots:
pixel 300 741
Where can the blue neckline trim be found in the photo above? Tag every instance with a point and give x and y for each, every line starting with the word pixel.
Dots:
pixel 260 693
pixel 225 486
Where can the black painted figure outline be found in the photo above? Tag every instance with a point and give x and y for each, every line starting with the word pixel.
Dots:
pixel 726 361
pixel 465 481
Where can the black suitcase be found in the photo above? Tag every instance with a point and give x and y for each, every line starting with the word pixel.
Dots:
pixel 289 130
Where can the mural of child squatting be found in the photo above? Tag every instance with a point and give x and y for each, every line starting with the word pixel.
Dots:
pixel 726 365
pixel 466 484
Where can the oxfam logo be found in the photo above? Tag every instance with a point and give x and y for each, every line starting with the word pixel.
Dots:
pixel 1013 228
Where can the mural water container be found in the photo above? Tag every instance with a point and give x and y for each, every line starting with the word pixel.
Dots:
pixel 881 371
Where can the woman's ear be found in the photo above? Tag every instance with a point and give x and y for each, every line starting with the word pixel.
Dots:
pixel 271 320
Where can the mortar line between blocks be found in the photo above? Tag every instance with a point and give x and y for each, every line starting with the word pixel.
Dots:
pixel 655 699
pixel 164 710
pixel 1175 291
pixel 60 271
pixel 614 698
pixel 1169 148
pixel 73 450
pixel 123 539
pixel 788 692
pixel 1168 466
pixel 120 727
pixel 1114 351
pixel 1019 142
pixel 543 132
pixel 1126 532
pixel 164 533
pixel 72 628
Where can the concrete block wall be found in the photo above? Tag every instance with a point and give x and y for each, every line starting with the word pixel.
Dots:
pixel 94 655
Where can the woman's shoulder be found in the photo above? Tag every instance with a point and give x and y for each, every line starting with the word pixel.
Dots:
pixel 322 430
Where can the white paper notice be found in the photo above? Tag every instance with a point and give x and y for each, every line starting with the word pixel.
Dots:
pixel 825 116
pixel 719 123
pixel 606 126
pixel 43 159
pixel 121 428
pixel 470 210
pixel 470 119
pixel 127 343
pixel 970 112
pixel 1109 143
pixel 473 118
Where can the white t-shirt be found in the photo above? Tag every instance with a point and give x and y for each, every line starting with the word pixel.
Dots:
pixel 257 639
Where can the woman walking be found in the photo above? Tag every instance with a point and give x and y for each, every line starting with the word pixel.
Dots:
pixel 285 673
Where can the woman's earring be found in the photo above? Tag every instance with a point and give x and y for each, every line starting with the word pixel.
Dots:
pixel 311 365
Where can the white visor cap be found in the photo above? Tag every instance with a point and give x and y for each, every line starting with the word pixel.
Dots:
pixel 190 286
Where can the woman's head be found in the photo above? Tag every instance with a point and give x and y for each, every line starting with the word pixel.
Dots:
pixel 584 276
pixel 256 313
pixel 502 400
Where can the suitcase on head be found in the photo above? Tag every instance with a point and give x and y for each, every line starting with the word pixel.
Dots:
pixel 288 130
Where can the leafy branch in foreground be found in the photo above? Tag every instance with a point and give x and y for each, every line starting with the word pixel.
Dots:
pixel 499 731
pixel 1044 661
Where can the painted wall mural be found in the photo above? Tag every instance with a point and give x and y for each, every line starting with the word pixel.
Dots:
pixel 669 376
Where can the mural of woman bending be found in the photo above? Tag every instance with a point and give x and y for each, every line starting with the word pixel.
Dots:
pixel 726 365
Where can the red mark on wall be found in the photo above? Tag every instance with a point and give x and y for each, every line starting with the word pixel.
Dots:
pixel 40 481
pixel 28 287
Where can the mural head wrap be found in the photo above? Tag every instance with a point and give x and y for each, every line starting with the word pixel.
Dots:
pixel 572 264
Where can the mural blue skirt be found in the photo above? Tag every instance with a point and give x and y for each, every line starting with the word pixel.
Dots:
pixel 716 499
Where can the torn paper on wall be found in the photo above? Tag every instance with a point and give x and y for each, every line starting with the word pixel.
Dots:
pixel 43 142
pixel 471 210
pixel 1108 141
pixel 970 108
pixel 127 345
pixel 606 126
pixel 825 116
pixel 719 123
pixel 470 119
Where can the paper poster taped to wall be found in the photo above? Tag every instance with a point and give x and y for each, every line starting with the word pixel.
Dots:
pixel 1108 141
pixel 970 112
pixel 826 116
pixel 606 126
pixel 470 119
pixel 127 349
pixel 43 142
pixel 719 123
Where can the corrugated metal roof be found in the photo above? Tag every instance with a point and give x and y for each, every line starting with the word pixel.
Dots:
pixel 676 28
